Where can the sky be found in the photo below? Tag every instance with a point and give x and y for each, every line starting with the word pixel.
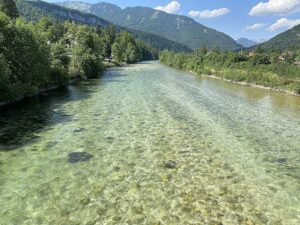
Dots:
pixel 252 19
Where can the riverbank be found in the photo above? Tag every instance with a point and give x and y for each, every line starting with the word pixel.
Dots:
pixel 44 91
pixel 256 72
pixel 40 92
pixel 245 83
pixel 254 85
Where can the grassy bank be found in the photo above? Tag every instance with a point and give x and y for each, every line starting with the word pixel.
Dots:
pixel 259 70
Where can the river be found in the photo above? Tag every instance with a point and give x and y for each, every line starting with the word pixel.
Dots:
pixel 234 152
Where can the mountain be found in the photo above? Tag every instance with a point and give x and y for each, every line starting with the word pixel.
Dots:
pixel 178 28
pixel 246 42
pixel 284 40
pixel 34 10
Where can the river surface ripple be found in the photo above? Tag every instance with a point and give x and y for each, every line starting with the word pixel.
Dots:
pixel 99 151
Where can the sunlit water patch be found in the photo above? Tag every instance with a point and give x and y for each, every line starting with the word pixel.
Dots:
pixel 146 144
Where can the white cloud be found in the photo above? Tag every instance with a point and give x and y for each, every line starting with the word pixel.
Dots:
pixel 172 7
pixel 284 23
pixel 255 26
pixel 209 13
pixel 275 7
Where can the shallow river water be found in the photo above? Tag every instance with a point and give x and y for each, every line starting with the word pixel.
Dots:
pixel 235 152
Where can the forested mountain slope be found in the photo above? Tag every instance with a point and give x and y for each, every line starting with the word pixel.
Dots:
pixel 174 27
pixel 34 10
pixel 284 40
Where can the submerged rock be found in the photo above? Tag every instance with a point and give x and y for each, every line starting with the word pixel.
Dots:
pixel 51 144
pixel 110 139
pixel 79 130
pixel 170 164
pixel 76 157
pixel 281 160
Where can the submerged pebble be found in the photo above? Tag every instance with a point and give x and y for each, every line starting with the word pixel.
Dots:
pixel 51 144
pixel 170 164
pixel 281 160
pixel 79 130
pixel 76 157
pixel 110 139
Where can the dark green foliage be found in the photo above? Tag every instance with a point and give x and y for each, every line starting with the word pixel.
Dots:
pixel 5 74
pixel 109 38
pixel 24 57
pixel 125 49
pixel 85 49
pixel 91 65
pixel 261 59
pixel 9 8
pixel 159 42
pixel 259 49
pixel 178 28
pixel 240 58
pixel 262 69
pixel 203 50
pixel 147 51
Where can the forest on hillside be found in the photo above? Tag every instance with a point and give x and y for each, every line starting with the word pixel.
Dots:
pixel 289 39
pixel 33 11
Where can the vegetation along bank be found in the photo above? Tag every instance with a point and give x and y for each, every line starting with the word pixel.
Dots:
pixel 48 53
pixel 274 69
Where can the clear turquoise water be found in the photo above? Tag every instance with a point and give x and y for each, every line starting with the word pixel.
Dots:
pixel 236 148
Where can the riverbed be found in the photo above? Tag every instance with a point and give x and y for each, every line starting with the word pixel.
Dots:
pixel 147 144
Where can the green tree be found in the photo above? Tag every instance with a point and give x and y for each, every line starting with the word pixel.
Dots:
pixel 125 49
pixel 9 8
pixel 274 57
pixel 204 49
pixel 49 30
pixel 24 56
pixel 85 50
pixel 259 49
pixel 108 40
pixel 5 74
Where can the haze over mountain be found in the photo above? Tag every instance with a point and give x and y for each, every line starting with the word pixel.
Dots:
pixel 174 27
pixel 245 42
pixel 34 10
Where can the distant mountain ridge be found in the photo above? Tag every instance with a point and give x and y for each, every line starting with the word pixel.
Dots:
pixel 34 10
pixel 178 28
pixel 284 40
pixel 246 42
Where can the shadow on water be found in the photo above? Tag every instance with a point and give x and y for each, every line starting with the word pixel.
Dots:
pixel 20 122
pixel 281 102
pixel 113 75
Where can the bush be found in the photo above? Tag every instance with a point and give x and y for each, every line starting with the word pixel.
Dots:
pixel 91 66
pixel 235 66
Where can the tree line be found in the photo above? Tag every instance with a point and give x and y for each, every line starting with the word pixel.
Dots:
pixel 274 68
pixel 34 10
pixel 48 53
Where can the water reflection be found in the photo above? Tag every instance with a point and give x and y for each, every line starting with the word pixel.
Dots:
pixel 21 122
pixel 280 102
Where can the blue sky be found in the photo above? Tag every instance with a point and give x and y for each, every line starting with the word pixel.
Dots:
pixel 253 19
